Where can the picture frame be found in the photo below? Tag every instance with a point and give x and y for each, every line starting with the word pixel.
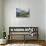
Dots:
pixel 22 12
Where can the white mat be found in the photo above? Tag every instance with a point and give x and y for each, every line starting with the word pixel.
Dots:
pixel 23 45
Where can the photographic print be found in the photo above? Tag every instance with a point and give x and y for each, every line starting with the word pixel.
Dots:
pixel 22 12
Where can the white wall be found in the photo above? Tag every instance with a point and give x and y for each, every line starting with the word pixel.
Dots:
pixel 0 11
pixel 36 15
pixel 0 18
pixel 45 19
